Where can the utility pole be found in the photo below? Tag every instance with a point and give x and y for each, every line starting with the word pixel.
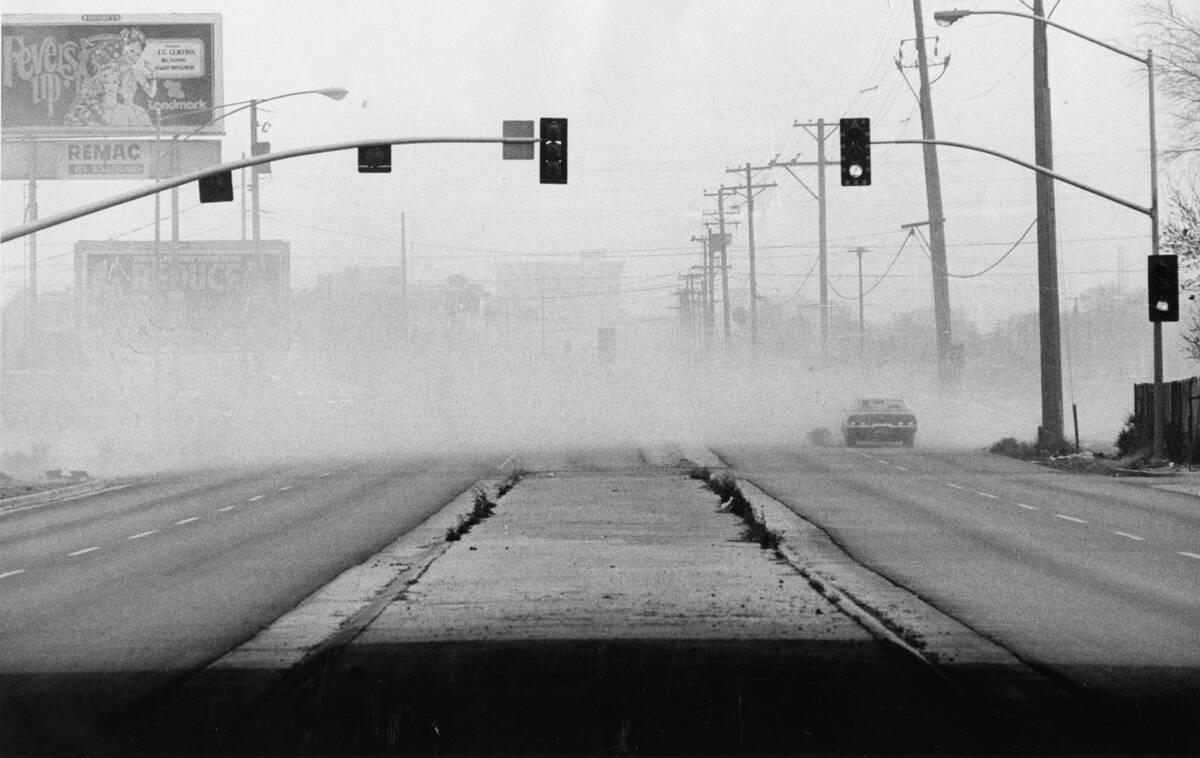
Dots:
pixel 255 229
pixel 749 191
pixel 862 325
pixel 1051 431
pixel 724 242
pixel 933 198
pixel 404 285
pixel 706 288
pixel 820 135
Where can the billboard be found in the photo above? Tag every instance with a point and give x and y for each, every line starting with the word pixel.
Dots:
pixel 109 74
pixel 196 294
pixel 83 158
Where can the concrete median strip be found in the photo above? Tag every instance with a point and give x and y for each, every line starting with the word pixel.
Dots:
pixel 621 600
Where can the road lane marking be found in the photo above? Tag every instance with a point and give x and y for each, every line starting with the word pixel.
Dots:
pixel 988 494
pixel 143 534
pixel 1027 507
pixel 1190 555
pixel 955 486
pixel 256 497
pixel 226 508
pixel 901 468
pixel 327 473
pixel 1069 518
pixel 285 488
pixel 81 552
pixel 7 574
pixel 1129 536
pixel 188 520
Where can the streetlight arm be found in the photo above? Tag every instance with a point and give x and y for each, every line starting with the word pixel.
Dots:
pixel 1032 167
pixel 951 16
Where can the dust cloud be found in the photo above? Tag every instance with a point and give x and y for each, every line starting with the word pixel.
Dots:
pixel 327 394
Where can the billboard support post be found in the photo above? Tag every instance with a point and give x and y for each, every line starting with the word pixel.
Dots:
pixel 31 214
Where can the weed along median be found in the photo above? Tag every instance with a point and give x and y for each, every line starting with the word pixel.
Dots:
pixel 584 610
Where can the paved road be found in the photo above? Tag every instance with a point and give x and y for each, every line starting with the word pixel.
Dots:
pixel 109 596
pixel 1093 579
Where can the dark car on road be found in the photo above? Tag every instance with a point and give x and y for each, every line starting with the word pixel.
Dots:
pixel 879 420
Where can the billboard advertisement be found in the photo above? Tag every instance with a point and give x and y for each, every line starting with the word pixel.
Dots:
pixel 110 74
pixel 196 294
pixel 82 158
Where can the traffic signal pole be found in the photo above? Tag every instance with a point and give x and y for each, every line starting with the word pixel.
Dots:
pixel 30 227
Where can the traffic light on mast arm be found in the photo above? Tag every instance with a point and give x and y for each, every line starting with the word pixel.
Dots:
pixel 1162 284
pixel 856 151
pixel 553 155
pixel 217 188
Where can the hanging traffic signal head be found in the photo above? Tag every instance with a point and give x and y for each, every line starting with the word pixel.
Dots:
pixel 217 188
pixel 856 151
pixel 375 159
pixel 553 158
pixel 1162 284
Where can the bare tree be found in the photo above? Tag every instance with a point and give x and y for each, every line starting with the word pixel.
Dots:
pixel 1173 32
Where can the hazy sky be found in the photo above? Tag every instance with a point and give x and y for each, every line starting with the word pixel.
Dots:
pixel 662 98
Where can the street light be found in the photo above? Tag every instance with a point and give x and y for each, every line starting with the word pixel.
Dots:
pixel 946 18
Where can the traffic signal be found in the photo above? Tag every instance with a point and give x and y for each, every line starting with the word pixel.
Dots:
pixel 553 157
pixel 375 159
pixel 1162 284
pixel 217 188
pixel 856 151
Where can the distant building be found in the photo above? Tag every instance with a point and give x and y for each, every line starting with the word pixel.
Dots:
pixel 560 304
pixel 56 343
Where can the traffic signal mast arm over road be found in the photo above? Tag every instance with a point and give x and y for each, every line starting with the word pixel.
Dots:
pixel 47 222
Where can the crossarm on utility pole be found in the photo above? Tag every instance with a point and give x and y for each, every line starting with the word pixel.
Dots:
pixel 17 232
pixel 1031 166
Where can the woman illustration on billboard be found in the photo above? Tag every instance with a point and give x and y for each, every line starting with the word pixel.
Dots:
pixel 109 96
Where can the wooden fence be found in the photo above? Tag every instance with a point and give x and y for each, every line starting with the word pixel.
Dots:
pixel 1182 418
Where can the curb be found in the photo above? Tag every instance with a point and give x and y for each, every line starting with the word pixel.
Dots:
pixel 22 502
pixel 896 616
pixel 333 614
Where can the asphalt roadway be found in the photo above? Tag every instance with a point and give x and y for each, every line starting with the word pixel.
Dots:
pixel 115 596
pixel 1093 580
pixel 608 604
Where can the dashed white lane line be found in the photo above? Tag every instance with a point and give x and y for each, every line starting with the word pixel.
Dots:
pixel 1129 536
pixel 256 498
pixel 81 552
pixel 284 488
pixel 901 468
pixel 139 535
pixel 1189 555
pixel 226 508
pixel 988 494
pixel 955 486
pixel 7 574
pixel 1069 518
pixel 188 520
pixel 1027 507
pixel 327 473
